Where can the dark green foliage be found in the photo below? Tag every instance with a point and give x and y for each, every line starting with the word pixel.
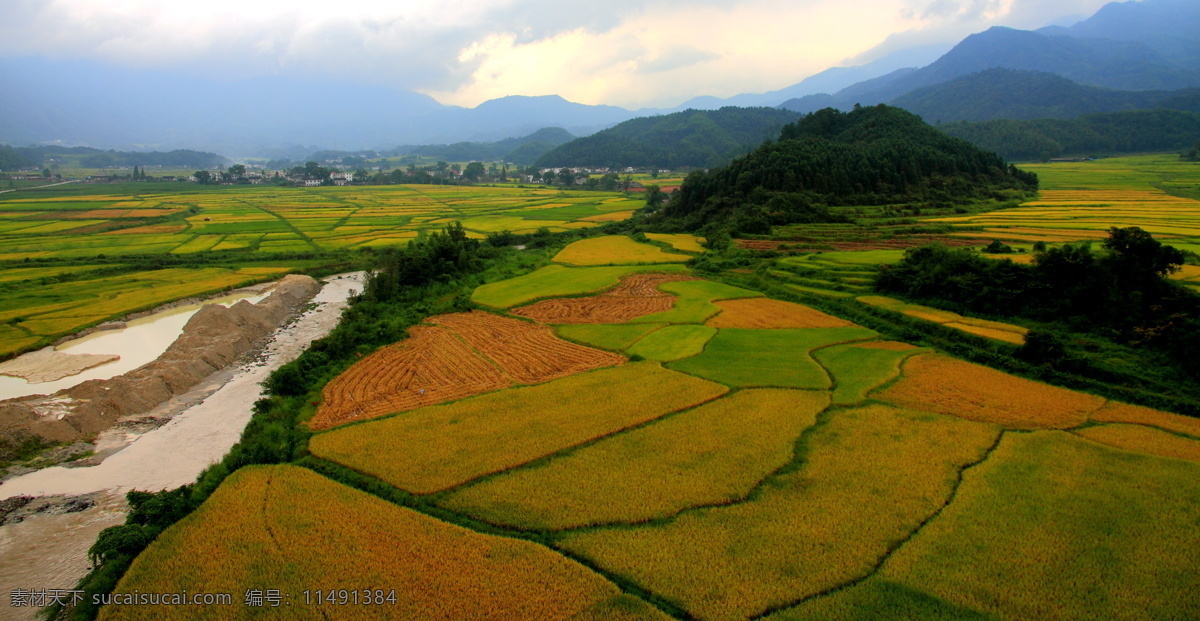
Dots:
pixel 124 540
pixel 1090 135
pixel 438 257
pixel 871 156
pixel 998 247
pixel 1191 155
pixel 692 138
pixel 1120 294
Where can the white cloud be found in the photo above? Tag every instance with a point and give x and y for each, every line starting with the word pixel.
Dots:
pixel 625 52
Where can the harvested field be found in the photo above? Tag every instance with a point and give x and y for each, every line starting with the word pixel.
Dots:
pixel 870 477
pixel 695 303
pixel 765 313
pixel 1055 527
pixel 649 473
pixel 937 383
pixel 557 280
pixel 463 354
pixel 637 295
pixel 1144 440
pixel 441 446
pixel 249 535
pixel 527 352
pixel 1117 412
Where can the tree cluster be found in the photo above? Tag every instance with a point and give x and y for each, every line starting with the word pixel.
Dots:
pixel 877 155
pixel 1120 292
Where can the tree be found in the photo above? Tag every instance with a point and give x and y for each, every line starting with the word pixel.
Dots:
pixel 654 197
pixel 1141 256
pixel 46 173
pixel 473 171
pixel 237 171
pixel 566 176
pixel 203 177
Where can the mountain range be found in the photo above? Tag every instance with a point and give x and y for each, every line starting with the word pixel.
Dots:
pixel 1128 55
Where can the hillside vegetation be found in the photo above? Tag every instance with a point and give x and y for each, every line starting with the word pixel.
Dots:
pixel 1091 135
pixel 870 156
pixel 692 138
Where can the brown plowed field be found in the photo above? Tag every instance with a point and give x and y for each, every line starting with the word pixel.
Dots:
pixel 637 295
pixel 464 354
pixel 529 353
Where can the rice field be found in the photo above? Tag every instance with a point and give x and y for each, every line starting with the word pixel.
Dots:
pixel 1143 440
pixel 1051 527
pixel 859 368
pixel 869 477
pixel 765 313
pixel 37 316
pixel 615 250
pixel 249 535
pixel 768 358
pixel 441 446
pixel 283 227
pixel 1079 201
pixel 458 356
pixel 679 241
pixel 672 343
pixel 732 444
pixel 696 301
pixel 559 281
pixel 607 336
pixel 995 330
pixel 938 383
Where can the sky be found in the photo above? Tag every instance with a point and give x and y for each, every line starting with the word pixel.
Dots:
pixel 633 54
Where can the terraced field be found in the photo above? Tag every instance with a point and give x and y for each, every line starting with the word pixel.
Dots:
pixel 267 228
pixel 756 459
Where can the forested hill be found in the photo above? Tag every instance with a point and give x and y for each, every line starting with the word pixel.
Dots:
pixel 692 138
pixel 1014 94
pixel 13 158
pixel 1092 135
pixel 870 156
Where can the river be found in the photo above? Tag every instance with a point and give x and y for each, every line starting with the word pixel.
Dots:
pixel 49 551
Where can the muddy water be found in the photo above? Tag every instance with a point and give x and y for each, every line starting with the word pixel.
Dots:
pixel 50 551
pixel 206 423
pixel 141 341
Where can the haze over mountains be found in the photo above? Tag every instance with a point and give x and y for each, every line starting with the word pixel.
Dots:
pixel 1141 52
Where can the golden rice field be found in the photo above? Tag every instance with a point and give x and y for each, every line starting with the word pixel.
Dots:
pixel 441 446
pixel 1049 527
pixel 1116 412
pixel 869 477
pixel 995 330
pixel 249 535
pixel 1079 201
pixel 732 444
pixel 679 241
pixel 938 383
pixel 615 250
pixel 1144 440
